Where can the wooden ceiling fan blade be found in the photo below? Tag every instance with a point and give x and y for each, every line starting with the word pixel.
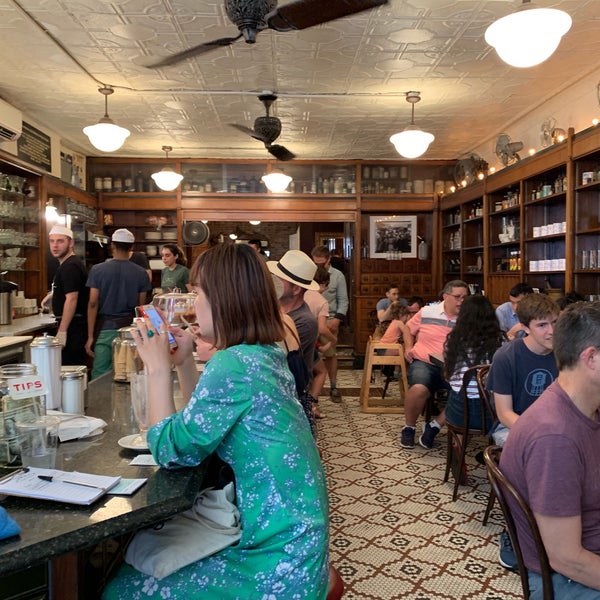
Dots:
pixel 280 152
pixel 302 14
pixel 195 51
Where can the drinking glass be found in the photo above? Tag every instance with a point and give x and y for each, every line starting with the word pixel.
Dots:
pixel 139 403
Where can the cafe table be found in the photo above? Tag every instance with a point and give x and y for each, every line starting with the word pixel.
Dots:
pixel 53 533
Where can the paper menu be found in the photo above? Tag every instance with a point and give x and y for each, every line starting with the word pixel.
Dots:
pixel 65 486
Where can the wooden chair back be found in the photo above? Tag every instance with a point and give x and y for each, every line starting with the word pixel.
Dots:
pixel 504 491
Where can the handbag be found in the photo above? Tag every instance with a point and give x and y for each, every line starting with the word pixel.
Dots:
pixel 211 525
pixel 297 366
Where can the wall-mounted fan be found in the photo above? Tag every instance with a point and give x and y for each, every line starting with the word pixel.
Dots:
pixel 267 129
pixel 467 170
pixel 506 150
pixel 252 16
pixel 546 132
pixel 195 233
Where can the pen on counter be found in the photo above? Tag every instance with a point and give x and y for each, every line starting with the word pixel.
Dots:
pixel 61 480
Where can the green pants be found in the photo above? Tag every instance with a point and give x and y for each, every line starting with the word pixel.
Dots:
pixel 103 361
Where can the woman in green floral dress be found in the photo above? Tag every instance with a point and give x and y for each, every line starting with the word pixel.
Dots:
pixel 244 407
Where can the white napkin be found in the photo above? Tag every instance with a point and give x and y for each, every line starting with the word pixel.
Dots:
pixel 73 427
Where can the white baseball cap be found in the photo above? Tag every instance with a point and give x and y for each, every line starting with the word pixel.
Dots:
pixel 61 230
pixel 123 235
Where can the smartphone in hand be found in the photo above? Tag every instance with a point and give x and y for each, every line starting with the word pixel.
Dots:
pixel 149 311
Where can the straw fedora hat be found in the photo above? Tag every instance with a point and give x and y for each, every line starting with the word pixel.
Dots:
pixel 296 267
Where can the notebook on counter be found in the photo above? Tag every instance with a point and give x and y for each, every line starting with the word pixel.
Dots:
pixel 61 486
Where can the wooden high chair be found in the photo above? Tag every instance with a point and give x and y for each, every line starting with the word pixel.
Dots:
pixel 373 404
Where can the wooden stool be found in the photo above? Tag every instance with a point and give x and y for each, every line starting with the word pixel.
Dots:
pixel 369 403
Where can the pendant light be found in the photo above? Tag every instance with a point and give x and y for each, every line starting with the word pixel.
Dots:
pixel 105 135
pixel 276 181
pixel 412 142
pixel 166 179
pixel 528 36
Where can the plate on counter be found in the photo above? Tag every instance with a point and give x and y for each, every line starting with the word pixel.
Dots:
pixel 130 443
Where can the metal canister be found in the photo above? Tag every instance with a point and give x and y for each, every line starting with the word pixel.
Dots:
pixel 74 384
pixel 46 354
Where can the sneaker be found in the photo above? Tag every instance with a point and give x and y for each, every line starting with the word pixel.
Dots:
pixel 506 553
pixel 335 395
pixel 458 472
pixel 407 437
pixel 429 433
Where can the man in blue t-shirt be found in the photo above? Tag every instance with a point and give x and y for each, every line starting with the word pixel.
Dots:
pixel 521 370
pixel 507 312
pixel 116 287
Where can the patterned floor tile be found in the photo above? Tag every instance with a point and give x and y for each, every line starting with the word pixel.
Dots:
pixel 395 531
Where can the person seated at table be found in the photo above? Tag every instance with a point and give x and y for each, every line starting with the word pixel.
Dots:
pixel 392 298
pixel 473 341
pixel 414 305
pixel 245 409
pixel 551 457
pixel 507 312
pixel 569 298
pixel 427 332
pixel 394 334
pixel 520 372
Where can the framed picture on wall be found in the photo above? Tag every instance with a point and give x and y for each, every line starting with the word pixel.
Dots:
pixel 392 236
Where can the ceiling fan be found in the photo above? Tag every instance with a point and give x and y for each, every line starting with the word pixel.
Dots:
pixel 252 16
pixel 267 129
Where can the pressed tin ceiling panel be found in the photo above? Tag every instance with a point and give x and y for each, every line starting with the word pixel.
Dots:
pixel 340 84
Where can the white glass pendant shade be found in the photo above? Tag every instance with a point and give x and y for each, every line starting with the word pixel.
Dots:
pixel 412 142
pixel 276 181
pixel 105 135
pixel 528 37
pixel 167 179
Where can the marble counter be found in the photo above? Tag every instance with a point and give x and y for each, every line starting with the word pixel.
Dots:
pixel 25 325
pixel 51 529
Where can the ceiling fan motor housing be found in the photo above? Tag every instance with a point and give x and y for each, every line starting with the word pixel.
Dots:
pixel 267 128
pixel 249 15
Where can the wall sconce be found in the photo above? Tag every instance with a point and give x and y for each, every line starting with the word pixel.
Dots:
pixel 528 36
pixel 166 179
pixel 412 142
pixel 276 181
pixel 254 222
pixel 558 135
pixel 106 135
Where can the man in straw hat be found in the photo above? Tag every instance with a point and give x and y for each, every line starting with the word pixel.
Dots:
pixel 293 276
pixel 69 296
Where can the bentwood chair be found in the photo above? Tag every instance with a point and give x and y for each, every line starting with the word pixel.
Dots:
pixel 458 434
pixel 511 501
pixel 336 584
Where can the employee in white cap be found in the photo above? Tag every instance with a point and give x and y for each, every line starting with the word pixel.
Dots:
pixel 116 287
pixel 69 296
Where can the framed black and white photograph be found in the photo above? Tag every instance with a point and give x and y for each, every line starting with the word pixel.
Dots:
pixel 393 237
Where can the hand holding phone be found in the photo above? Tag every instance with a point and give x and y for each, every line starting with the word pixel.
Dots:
pixel 149 311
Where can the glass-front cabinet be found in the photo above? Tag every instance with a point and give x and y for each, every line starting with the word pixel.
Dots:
pixel 409 178
pixel 20 230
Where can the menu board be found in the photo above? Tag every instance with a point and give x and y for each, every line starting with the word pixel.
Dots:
pixel 34 147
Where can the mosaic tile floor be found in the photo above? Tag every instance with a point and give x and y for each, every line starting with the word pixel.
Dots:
pixel 395 532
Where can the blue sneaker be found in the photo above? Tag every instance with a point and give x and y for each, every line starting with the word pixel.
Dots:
pixel 429 433
pixel 506 553
pixel 407 437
